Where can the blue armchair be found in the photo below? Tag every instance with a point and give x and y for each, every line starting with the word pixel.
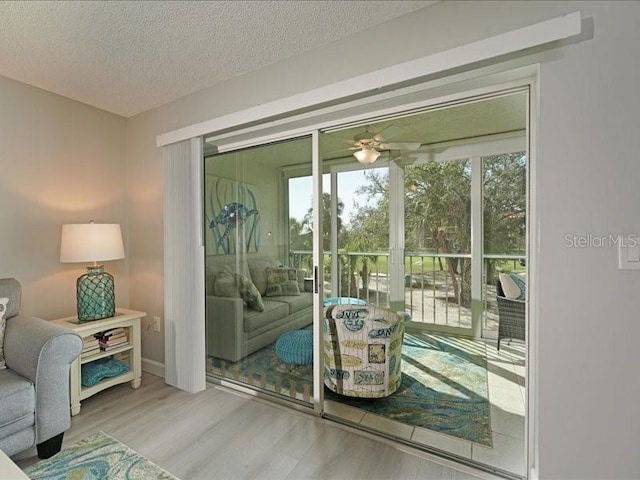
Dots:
pixel 34 386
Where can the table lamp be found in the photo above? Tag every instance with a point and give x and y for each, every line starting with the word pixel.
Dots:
pixel 93 242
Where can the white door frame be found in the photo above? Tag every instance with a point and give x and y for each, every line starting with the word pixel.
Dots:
pixel 530 82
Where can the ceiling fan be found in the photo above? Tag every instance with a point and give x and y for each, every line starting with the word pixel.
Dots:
pixel 367 145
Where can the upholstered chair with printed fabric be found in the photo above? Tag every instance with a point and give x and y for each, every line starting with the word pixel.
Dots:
pixel 362 350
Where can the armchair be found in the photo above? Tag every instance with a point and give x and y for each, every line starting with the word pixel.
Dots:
pixel 363 350
pixel 511 316
pixel 34 386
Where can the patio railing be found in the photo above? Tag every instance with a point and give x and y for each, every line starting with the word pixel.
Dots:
pixel 437 285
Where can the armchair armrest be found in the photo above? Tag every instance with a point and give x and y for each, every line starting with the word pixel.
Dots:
pixel 225 327
pixel 42 352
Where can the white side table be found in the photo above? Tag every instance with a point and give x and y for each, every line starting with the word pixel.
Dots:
pixel 10 470
pixel 130 353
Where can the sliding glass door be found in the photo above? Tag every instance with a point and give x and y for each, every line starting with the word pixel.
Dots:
pixel 420 213
pixel 259 304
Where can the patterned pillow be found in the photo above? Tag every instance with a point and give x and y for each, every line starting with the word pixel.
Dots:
pixel 249 293
pixel 282 281
pixel 3 323
pixel 513 286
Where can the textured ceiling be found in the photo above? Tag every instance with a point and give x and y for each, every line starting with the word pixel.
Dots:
pixel 127 56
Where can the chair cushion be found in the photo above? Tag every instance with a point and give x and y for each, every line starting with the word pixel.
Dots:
pixel 18 400
pixel 513 286
pixel 10 288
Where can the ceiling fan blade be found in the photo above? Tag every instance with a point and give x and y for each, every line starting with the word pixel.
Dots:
pixel 407 146
pixel 388 133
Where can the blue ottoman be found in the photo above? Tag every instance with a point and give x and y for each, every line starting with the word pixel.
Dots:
pixel 295 347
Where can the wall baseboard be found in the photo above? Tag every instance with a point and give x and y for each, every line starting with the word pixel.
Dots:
pixel 153 367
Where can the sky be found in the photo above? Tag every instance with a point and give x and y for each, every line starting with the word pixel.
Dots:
pixel 300 193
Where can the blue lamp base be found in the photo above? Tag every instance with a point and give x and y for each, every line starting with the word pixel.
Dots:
pixel 95 293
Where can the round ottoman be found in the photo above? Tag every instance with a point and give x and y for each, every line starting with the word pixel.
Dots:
pixel 295 347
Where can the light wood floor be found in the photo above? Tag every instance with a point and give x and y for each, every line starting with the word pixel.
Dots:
pixel 219 434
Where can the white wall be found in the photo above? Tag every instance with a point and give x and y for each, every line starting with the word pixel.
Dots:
pixel 60 162
pixel 587 182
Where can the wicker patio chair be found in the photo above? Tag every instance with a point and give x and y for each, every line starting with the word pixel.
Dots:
pixel 511 316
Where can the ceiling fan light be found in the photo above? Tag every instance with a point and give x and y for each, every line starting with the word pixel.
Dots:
pixel 367 155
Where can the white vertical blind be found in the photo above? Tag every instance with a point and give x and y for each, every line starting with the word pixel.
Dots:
pixel 184 293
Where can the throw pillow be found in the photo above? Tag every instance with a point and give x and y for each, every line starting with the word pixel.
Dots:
pixel 226 286
pixel 249 293
pixel 282 281
pixel 258 269
pixel 513 286
pixel 3 322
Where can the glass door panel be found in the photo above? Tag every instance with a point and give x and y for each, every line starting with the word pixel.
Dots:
pixel 363 235
pixel 438 242
pixel 504 190
pixel 259 305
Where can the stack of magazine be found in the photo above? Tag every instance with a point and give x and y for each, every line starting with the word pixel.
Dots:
pixel 111 339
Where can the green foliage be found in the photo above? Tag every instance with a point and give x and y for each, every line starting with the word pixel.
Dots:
pixel 437 218
pixel 307 223
pixel 505 207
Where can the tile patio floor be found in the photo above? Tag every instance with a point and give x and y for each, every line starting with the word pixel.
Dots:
pixel 506 381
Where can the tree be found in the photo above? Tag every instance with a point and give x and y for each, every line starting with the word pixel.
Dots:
pixel 438 212
pixel 299 237
pixel 307 222
pixel 438 216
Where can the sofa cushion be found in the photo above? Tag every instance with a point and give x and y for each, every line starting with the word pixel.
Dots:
pixel 3 324
pixel 17 397
pixel 295 303
pixel 282 281
pixel 258 268
pixel 250 293
pixel 273 311
pixel 226 286
pixel 215 264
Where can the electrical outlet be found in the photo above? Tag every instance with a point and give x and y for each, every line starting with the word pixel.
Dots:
pixel 156 324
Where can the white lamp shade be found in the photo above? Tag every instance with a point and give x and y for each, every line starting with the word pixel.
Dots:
pixel 91 242
pixel 367 155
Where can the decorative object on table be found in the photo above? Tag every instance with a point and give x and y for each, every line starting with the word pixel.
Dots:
pixel 98 457
pixel 93 242
pixel 295 347
pixel 444 384
pixel 363 350
pixel 232 215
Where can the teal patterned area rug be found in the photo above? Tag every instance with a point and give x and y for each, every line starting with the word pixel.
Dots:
pixel 444 384
pixel 98 457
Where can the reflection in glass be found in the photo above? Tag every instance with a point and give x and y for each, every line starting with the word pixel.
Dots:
pixel 258 305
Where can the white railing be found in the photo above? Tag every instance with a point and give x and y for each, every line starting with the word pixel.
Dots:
pixel 437 285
